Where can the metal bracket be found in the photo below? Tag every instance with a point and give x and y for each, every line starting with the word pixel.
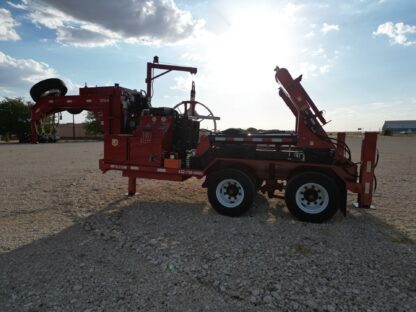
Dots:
pixel 356 205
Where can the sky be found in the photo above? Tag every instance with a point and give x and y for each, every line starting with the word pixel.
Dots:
pixel 357 57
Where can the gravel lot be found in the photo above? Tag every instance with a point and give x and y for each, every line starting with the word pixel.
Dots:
pixel 70 240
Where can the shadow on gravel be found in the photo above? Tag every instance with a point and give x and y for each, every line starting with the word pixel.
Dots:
pixel 176 256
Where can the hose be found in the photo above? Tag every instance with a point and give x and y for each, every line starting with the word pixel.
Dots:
pixel 336 142
pixel 377 159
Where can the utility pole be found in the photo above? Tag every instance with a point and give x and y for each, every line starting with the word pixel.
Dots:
pixel 73 126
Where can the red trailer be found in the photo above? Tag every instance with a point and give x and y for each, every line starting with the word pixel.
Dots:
pixel 163 143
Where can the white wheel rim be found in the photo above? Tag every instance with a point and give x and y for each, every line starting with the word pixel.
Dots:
pixel 312 198
pixel 230 193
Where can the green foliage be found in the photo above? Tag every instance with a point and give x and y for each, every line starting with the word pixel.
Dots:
pixel 92 125
pixel 14 117
pixel 402 239
pixel 302 249
pixel 48 125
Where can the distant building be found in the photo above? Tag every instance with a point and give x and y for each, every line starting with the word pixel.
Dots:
pixel 399 126
pixel 76 131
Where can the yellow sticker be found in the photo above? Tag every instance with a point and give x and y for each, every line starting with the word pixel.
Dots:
pixel 114 142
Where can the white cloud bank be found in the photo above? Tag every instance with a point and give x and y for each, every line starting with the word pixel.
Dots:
pixel 326 28
pixel 7 25
pixel 105 22
pixel 22 72
pixel 398 33
pixel 18 75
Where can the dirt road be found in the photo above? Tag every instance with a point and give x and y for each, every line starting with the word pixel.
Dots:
pixel 70 240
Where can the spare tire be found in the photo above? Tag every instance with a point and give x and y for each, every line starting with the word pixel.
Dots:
pixel 51 86
pixel 74 111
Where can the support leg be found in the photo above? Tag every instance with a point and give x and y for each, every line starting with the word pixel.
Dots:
pixel 34 138
pixel 132 186
pixel 368 164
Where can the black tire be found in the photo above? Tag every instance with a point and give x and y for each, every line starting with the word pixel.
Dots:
pixel 51 86
pixel 258 183
pixel 230 192
pixel 74 111
pixel 312 196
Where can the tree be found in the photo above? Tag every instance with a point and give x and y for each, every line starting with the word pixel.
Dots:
pixel 48 124
pixel 14 117
pixel 92 126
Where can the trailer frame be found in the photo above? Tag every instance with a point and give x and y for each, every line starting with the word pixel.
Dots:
pixel 157 143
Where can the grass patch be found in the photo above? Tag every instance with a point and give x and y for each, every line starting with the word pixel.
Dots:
pixel 327 232
pixel 302 249
pixel 402 239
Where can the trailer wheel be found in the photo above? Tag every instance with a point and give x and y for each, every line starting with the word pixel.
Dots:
pixel 230 192
pixel 312 196
pixel 52 86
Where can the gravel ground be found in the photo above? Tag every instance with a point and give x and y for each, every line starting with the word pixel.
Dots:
pixel 70 240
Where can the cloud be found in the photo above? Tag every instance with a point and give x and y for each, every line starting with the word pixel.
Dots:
pixel 47 16
pixel 18 75
pixel 7 25
pixel 308 69
pixel 290 10
pixel 311 69
pixel 325 68
pixel 18 5
pixel 310 34
pixel 183 83
pixel 398 33
pixel 319 51
pixel 318 61
pixel 85 36
pixel 326 28
pixel 90 23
